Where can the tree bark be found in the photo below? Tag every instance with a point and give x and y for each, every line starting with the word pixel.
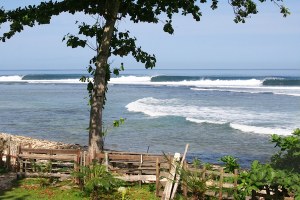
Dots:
pixel 95 129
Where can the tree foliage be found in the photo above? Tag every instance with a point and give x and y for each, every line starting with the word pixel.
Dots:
pixel 288 157
pixel 149 11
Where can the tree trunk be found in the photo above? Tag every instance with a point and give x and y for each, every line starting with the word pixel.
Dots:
pixel 98 94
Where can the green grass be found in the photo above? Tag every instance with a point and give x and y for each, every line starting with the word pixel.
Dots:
pixel 35 189
pixel 32 189
pixel 141 193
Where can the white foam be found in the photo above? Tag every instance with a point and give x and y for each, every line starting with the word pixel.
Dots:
pixel 289 94
pixel 238 118
pixel 260 90
pixel 70 81
pixel 213 83
pixel 198 121
pixel 260 130
pixel 176 107
pixel 14 78
pixel 159 107
pixel 203 82
pixel 131 80
pixel 18 79
pixel 252 86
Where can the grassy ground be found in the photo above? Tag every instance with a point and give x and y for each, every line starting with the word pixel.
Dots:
pixel 42 189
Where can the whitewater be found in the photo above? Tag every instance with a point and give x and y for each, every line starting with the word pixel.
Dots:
pixel 241 84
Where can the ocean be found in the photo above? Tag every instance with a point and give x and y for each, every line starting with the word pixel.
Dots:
pixel 218 112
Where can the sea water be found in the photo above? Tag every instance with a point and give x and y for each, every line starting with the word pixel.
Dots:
pixel 218 112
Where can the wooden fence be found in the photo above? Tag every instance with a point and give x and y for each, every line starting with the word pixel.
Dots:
pixel 8 154
pixel 141 167
pixel 130 166
pixel 219 184
pixel 48 162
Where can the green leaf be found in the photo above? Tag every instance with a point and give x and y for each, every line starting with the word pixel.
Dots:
pixel 116 71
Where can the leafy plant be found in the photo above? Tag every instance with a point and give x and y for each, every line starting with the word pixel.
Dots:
pixel 195 180
pixel 97 180
pixel 263 176
pixel 42 166
pixel 288 157
pixel 230 163
pixel 151 187
pixel 115 124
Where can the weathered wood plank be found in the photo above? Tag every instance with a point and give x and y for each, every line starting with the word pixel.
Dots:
pixel 178 175
pixel 135 178
pixel 48 157
pixel 171 177
pixel 50 151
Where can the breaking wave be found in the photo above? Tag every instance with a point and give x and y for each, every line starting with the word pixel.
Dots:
pixel 234 118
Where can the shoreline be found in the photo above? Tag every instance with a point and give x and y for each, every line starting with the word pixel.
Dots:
pixel 34 143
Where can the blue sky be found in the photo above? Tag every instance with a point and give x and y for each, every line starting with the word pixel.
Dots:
pixel 267 41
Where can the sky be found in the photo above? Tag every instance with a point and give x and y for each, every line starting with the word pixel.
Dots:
pixel 265 41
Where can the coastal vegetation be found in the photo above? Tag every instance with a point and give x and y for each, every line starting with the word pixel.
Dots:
pixel 278 178
pixel 110 41
pixel 36 189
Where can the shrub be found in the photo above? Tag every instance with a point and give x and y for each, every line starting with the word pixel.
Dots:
pixel 195 180
pixel 230 163
pixel 96 180
pixel 288 157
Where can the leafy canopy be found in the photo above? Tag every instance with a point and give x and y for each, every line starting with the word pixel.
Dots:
pixel 136 10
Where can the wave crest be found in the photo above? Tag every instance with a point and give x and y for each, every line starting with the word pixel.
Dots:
pixel 229 117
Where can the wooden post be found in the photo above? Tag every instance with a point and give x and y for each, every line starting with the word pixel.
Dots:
pixel 84 157
pixel 221 183
pixel 204 172
pixel 106 160
pixel 20 163
pixel 184 184
pixel 171 178
pixel 203 177
pixel 8 154
pixel 235 180
pixel 178 175
pixel 157 177
pixel 140 171
pixel 77 165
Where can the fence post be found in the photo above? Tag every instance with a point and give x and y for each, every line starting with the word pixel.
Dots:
pixel 8 154
pixel 184 184
pixel 203 172
pixel 84 158
pixel 106 160
pixel 221 183
pixel 140 171
pixel 20 161
pixel 77 164
pixel 157 177
pixel 2 149
pixel 235 180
